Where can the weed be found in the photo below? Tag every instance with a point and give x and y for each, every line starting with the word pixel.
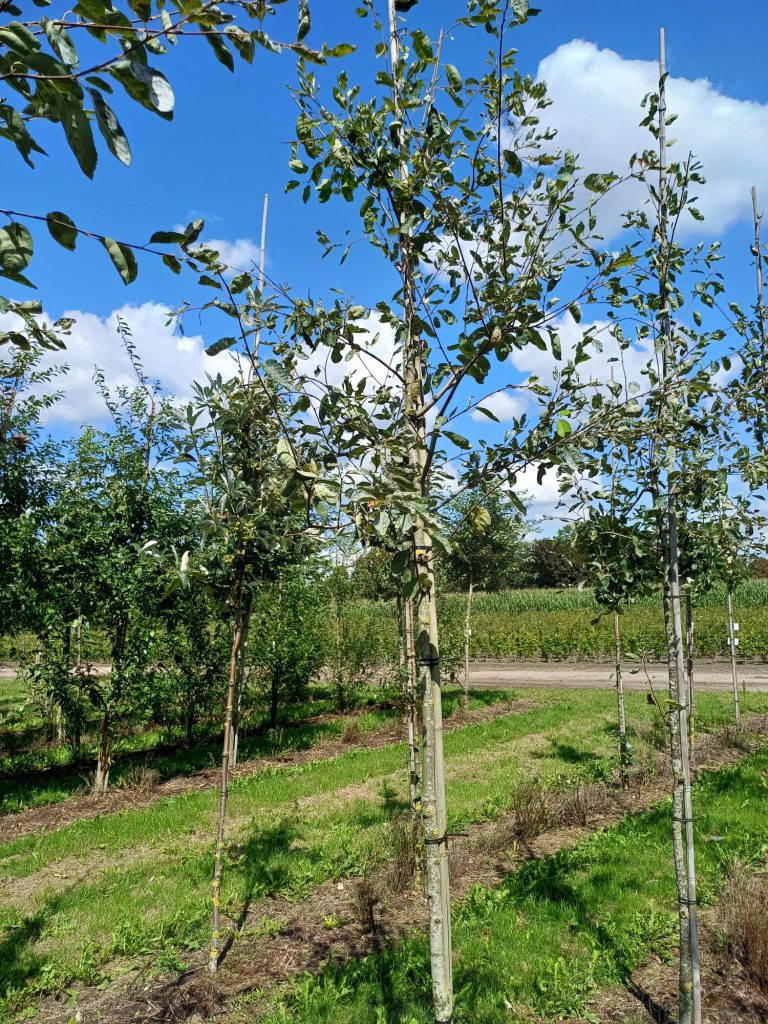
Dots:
pixel 331 921
pixel 745 922
pixel 734 737
pixel 581 804
pixel 351 733
pixel 404 839
pixel 366 899
pixel 140 778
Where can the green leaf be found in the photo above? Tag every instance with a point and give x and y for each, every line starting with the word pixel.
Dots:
pixel 305 22
pixel 557 351
pixel 240 283
pixel 488 413
pixel 158 87
pixel 62 229
pixel 596 182
pixel 110 128
pixel 220 346
pixel 454 78
pixel 422 45
pixel 458 440
pixel 563 428
pixel 123 258
pixel 222 51
pixel 167 238
pixel 342 50
pixel 77 129
pixel 15 248
pixel 514 163
pixel 171 262
pixel 60 42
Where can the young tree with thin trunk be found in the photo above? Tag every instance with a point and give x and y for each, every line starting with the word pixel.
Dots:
pixel 477 218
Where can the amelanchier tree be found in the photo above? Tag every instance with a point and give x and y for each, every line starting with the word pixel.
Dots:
pixel 479 230
pixel 75 67
pixel 485 532
pixel 252 518
pixel 680 426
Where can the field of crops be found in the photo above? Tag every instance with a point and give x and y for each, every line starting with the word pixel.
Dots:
pixel 531 624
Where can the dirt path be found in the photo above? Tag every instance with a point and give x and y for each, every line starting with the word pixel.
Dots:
pixel 709 675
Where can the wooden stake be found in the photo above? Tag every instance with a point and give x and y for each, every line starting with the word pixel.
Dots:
pixel 734 670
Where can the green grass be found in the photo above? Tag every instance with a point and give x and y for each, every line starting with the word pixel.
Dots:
pixel 130 883
pixel 47 774
pixel 556 930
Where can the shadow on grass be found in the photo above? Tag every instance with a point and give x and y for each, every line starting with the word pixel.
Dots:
pixel 21 968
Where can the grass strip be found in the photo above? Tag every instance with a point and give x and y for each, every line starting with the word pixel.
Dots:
pixel 555 931
pixel 137 882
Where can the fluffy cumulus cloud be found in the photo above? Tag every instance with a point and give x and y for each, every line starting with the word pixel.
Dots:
pixel 607 360
pixel 238 254
pixel 175 360
pixel 504 406
pixel 596 108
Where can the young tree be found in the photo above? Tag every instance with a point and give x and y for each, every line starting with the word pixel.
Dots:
pixel 485 532
pixel 620 563
pixel 476 221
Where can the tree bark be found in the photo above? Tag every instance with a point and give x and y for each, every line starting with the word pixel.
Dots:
pixel 239 680
pixel 235 656
pixel 411 713
pixel 103 755
pixel 623 745
pixel 467 639
pixel 423 580
pixel 734 670
pixel 689 625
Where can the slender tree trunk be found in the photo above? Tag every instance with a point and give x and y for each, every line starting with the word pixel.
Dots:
pixel 235 656
pixel 734 670
pixel 623 745
pixel 433 783
pixel 411 714
pixel 682 808
pixel 423 578
pixel 467 639
pixel 104 755
pixel 239 680
pixel 758 217
pixel 689 627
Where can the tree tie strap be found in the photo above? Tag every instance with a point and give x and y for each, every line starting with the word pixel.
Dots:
pixel 437 841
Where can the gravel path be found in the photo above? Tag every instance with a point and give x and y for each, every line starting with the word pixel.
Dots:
pixel 708 675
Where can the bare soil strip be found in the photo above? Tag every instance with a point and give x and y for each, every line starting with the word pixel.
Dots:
pixel 50 817
pixel 278 940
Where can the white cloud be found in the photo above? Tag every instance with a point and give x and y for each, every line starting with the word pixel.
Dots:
pixel 596 98
pixel 238 254
pixel 627 365
pixel 505 407
pixel 174 360
pixel 376 338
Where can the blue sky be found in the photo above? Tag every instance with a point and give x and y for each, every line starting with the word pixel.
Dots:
pixel 229 143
